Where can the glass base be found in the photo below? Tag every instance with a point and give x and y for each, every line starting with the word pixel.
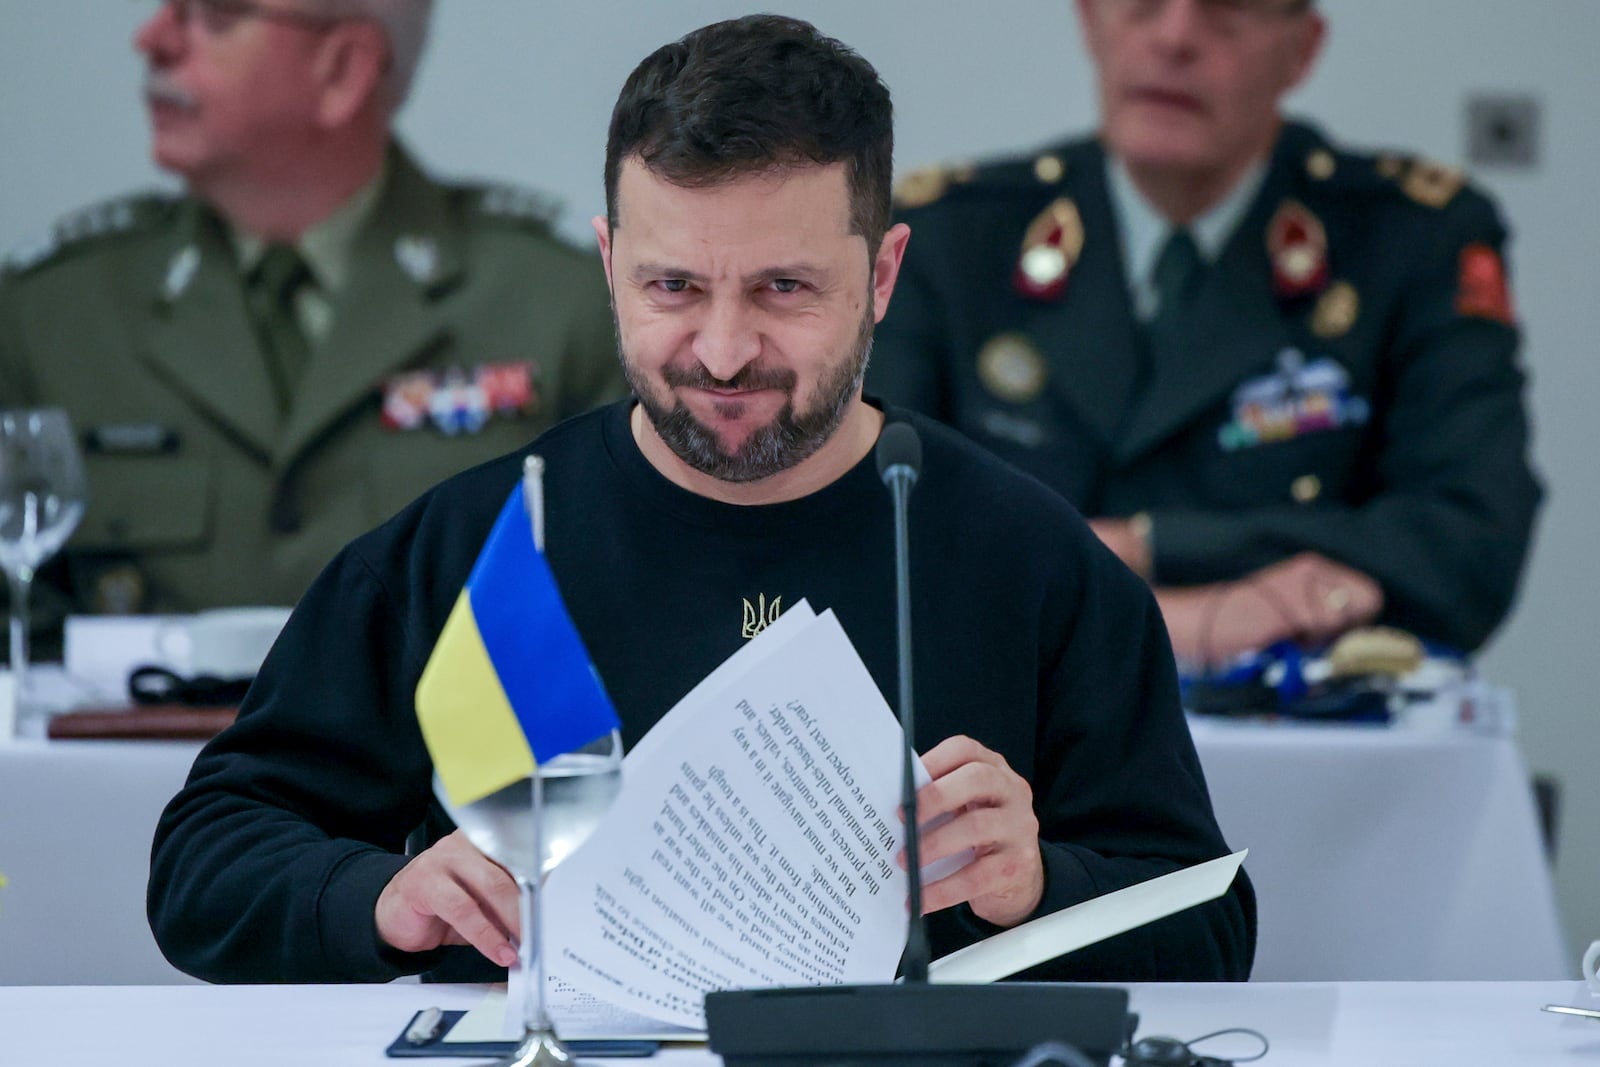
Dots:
pixel 539 1048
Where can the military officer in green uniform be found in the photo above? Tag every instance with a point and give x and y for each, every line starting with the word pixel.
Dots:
pixel 1280 377
pixel 270 365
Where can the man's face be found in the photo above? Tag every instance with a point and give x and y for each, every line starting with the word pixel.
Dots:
pixel 228 83
pixel 744 311
pixel 1194 85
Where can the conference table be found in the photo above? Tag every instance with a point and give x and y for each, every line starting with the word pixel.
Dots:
pixel 1313 1024
pixel 1376 854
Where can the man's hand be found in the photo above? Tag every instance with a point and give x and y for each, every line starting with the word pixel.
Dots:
pixel 1129 539
pixel 451 894
pixel 1307 598
pixel 992 809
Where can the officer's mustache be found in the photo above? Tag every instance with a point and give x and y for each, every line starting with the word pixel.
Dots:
pixel 160 89
pixel 749 377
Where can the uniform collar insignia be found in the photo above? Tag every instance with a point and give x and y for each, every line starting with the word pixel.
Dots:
pixel 181 270
pixel 1052 244
pixel 418 257
pixel 1297 245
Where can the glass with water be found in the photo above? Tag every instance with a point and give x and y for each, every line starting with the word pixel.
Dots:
pixel 547 815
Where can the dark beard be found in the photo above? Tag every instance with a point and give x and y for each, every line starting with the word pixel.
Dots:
pixel 778 446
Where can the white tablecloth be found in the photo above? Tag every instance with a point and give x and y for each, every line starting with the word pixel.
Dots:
pixel 1375 855
pixel 1354 1024
pixel 1381 854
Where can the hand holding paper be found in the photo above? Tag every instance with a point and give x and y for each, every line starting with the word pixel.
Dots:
pixel 989 812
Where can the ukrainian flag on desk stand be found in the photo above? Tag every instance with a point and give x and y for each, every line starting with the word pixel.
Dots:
pixel 509 683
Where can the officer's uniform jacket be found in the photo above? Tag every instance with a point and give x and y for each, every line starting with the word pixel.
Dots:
pixel 465 329
pixel 1349 385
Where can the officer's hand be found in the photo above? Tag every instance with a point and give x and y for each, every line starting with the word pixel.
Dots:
pixel 451 894
pixel 992 809
pixel 1129 539
pixel 1314 597
pixel 1307 597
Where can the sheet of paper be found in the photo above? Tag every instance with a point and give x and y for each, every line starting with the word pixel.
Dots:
pixel 764 644
pixel 747 849
pixel 767 643
pixel 1083 924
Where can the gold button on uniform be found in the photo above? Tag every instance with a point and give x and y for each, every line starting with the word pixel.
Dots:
pixel 1306 488
pixel 1049 169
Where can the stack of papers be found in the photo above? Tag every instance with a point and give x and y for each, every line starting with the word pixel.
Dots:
pixel 754 843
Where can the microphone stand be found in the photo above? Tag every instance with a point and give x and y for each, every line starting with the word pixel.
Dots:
pixel 913 1024
pixel 899 469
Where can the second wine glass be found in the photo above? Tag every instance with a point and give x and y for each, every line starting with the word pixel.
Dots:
pixel 43 492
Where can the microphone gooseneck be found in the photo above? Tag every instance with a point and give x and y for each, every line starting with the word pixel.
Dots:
pixel 899 456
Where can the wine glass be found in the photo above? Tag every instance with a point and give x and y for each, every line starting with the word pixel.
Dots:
pixel 42 497
pixel 546 815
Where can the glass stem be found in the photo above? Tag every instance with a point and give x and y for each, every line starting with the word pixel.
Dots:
pixel 21 584
pixel 531 949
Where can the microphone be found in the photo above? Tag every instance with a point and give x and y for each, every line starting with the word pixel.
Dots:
pixel 914 1024
pixel 899 456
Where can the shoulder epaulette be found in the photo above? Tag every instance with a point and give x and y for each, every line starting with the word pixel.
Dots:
pixel 514 204
pixel 1421 180
pixel 89 226
pixel 1428 183
pixel 1004 176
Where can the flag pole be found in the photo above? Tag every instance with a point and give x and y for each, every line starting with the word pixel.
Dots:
pixel 533 493
pixel 532 910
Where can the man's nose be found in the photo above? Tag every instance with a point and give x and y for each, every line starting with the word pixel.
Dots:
pixel 727 340
pixel 160 38
pixel 1176 24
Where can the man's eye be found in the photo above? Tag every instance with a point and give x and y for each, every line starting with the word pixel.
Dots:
pixel 673 285
pixel 785 285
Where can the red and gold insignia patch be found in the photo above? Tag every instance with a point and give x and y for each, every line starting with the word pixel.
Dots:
pixel 1297 245
pixel 1482 291
pixel 1049 249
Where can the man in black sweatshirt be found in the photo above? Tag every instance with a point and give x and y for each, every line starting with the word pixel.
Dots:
pixel 749 250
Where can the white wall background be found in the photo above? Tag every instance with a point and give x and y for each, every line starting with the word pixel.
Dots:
pixel 522 89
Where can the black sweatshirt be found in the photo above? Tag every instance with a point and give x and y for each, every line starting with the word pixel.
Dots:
pixel 1029 636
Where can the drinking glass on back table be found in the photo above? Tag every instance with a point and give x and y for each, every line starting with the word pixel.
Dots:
pixel 42 496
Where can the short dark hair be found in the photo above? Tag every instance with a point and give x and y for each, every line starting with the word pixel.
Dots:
pixel 756 94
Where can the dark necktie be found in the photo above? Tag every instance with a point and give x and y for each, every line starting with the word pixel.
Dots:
pixel 1176 276
pixel 273 285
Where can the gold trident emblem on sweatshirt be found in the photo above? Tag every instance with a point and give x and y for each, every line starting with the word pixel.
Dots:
pixel 760 615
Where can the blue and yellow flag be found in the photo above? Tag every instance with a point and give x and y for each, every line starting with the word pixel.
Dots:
pixel 509 683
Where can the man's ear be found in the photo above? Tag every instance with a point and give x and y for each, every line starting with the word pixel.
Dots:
pixel 602 234
pixel 886 267
pixel 349 70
